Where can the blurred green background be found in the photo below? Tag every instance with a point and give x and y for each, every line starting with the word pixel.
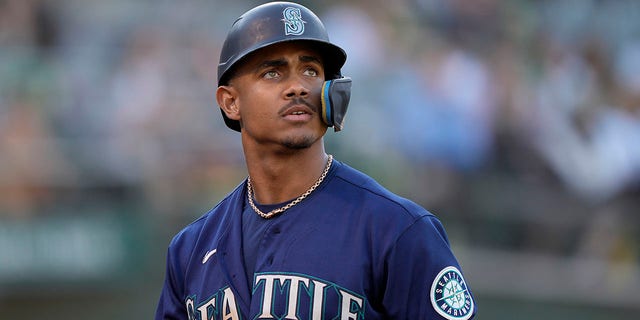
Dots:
pixel 516 122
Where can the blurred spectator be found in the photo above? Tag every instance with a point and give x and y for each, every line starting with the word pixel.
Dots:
pixel 32 163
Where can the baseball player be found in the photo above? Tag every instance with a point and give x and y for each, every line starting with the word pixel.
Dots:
pixel 305 236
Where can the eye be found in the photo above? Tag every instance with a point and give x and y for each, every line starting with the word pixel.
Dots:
pixel 311 72
pixel 271 74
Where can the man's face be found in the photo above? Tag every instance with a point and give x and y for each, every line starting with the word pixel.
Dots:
pixel 277 94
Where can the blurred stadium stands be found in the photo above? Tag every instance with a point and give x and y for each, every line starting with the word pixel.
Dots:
pixel 515 122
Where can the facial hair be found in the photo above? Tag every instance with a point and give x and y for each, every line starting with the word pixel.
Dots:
pixel 297 143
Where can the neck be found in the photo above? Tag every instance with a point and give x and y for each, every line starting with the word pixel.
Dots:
pixel 278 177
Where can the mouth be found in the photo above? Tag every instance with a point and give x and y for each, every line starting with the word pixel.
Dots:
pixel 298 110
pixel 298 113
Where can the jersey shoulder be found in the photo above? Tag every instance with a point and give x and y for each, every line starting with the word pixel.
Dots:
pixel 377 196
pixel 384 211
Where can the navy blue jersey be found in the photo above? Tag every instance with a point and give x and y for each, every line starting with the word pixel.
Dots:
pixel 350 250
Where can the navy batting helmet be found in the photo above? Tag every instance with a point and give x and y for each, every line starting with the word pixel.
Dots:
pixel 273 23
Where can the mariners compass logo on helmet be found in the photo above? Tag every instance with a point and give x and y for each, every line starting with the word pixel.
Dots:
pixel 293 23
pixel 450 296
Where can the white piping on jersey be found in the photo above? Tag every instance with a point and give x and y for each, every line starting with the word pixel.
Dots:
pixel 208 255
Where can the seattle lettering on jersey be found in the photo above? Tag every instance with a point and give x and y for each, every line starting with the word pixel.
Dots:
pixel 284 296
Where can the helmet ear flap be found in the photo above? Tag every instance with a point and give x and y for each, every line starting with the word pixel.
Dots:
pixel 336 94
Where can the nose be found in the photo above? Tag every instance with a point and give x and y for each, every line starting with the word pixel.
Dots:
pixel 296 88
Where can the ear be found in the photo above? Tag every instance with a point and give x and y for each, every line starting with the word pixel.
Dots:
pixel 227 98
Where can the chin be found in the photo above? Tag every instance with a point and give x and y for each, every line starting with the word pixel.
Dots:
pixel 302 139
pixel 300 142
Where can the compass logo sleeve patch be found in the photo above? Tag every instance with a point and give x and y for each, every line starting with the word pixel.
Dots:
pixel 450 296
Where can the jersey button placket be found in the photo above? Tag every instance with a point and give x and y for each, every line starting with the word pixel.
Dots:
pixel 274 232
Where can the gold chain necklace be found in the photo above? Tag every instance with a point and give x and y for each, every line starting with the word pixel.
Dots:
pixel 270 214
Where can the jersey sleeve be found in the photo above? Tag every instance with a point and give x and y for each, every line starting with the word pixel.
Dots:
pixel 424 279
pixel 170 305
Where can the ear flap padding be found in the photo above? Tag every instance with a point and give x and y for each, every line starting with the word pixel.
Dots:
pixel 336 94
